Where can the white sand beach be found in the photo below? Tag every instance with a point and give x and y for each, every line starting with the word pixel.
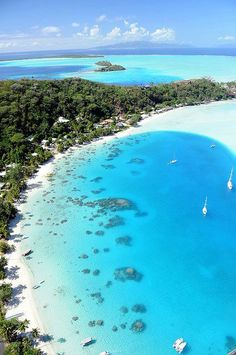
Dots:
pixel 19 275
pixel 215 120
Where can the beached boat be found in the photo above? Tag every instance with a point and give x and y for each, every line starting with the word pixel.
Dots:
pixel 86 341
pixel 105 353
pixel 179 345
pixel 27 252
pixel 204 210
pixel 230 182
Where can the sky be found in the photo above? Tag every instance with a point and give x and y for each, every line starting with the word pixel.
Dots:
pixel 31 25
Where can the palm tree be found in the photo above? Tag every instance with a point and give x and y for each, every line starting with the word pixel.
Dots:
pixel 24 325
pixel 35 333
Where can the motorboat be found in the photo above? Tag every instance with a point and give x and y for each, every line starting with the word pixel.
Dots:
pixel 86 341
pixel 204 210
pixel 179 345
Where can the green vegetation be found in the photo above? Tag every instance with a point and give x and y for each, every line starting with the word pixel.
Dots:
pixel 11 332
pixel 39 118
pixel 104 63
pixel 108 66
pixel 5 294
pixel 4 247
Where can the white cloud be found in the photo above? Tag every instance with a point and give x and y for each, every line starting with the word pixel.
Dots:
pixel 89 32
pixel 6 45
pixel 50 30
pixel 135 32
pixel 94 31
pixel 163 35
pixel 226 38
pixel 86 29
pixel 75 24
pixel 80 34
pixel 102 18
pixel 114 34
pixel 13 35
pixel 51 37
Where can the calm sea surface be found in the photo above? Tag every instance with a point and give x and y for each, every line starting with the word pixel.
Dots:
pixel 140 69
pixel 83 240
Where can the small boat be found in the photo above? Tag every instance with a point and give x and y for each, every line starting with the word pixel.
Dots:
pixel 213 146
pixel 179 345
pixel 38 285
pixel 27 252
pixel 230 182
pixel 86 341
pixel 204 210
pixel 105 353
pixel 173 161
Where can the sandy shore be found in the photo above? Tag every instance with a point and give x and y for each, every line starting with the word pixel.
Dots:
pixel 23 304
pixel 221 127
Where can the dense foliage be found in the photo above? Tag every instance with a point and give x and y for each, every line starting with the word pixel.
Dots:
pixel 39 117
pixel 30 108
pixel 108 66
pixel 17 342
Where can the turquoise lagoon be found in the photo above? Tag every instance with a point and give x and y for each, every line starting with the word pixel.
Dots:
pixel 186 262
pixel 141 69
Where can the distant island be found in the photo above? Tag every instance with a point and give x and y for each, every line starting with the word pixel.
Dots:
pixel 105 66
pixel 43 56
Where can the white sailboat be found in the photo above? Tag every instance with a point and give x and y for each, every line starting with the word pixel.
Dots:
pixel 230 182
pixel 173 161
pixel 204 210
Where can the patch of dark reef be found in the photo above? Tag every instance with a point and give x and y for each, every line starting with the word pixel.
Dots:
pixel 115 222
pixel 139 308
pixel 138 326
pixel 127 274
pixel 126 240
pixel 136 161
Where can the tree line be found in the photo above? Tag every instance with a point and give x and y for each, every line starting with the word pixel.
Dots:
pixel 29 114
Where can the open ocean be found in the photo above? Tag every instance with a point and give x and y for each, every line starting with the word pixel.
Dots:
pixel 83 240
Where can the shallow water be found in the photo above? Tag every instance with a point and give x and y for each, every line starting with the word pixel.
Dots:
pixel 141 69
pixel 185 262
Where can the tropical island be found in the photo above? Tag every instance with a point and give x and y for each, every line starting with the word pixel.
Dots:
pixel 40 118
pixel 105 66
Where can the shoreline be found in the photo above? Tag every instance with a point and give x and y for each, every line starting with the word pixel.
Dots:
pixel 25 306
